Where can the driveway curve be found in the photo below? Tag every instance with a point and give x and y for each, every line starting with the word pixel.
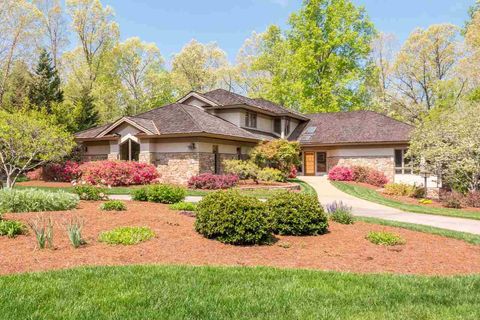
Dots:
pixel 328 193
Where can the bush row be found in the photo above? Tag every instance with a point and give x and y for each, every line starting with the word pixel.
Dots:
pixel 358 174
pixel 34 200
pixel 457 200
pixel 213 181
pixel 230 217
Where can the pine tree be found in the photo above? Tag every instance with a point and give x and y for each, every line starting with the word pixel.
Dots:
pixel 88 115
pixel 46 87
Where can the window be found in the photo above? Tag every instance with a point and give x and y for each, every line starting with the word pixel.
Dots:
pixel 239 153
pixel 251 120
pixel 277 125
pixel 321 162
pixel 402 163
pixel 287 127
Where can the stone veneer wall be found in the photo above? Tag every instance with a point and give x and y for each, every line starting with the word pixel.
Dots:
pixel 385 164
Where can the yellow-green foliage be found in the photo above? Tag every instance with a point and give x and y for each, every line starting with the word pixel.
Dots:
pixel 126 235
pixel 384 238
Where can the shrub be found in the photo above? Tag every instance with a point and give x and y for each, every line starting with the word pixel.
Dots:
pixel 376 178
pixel 183 206
pixel 34 200
pixel 35 174
pixel 384 238
pixel 43 229
pixel 294 213
pixel 293 172
pixel 278 154
pixel 452 200
pixel 360 173
pixel 339 173
pixel 90 193
pixel 74 231
pixel 472 199
pixel 113 205
pixel 118 173
pixel 271 175
pixel 232 218
pixel 399 189
pixel 213 181
pixel 11 228
pixel 340 212
pixel 63 172
pixel 160 193
pixel 244 170
pixel 126 235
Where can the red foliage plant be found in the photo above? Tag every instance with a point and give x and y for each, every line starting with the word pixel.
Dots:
pixel 376 178
pixel 212 181
pixel 61 172
pixel 293 172
pixel 339 173
pixel 118 173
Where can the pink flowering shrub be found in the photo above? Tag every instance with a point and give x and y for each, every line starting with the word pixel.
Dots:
pixel 376 178
pixel 118 173
pixel 293 172
pixel 339 173
pixel 60 172
pixel 212 181
pixel 35 174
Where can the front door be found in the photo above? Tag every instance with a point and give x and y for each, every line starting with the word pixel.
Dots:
pixel 309 163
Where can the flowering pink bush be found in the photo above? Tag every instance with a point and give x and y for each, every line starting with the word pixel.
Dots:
pixel 293 172
pixel 212 181
pixel 35 174
pixel 118 173
pixel 61 172
pixel 339 173
pixel 376 178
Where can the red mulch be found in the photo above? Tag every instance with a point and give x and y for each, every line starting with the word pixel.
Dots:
pixel 40 183
pixel 176 242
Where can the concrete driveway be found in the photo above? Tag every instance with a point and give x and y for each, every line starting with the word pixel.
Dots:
pixel 328 193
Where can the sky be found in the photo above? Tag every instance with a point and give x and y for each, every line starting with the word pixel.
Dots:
pixel 172 23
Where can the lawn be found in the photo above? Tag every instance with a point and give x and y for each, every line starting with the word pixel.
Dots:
pixel 373 196
pixel 181 292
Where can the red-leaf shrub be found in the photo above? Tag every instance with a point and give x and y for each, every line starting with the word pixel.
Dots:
pixel 60 172
pixel 339 173
pixel 35 174
pixel 212 181
pixel 376 178
pixel 472 199
pixel 293 172
pixel 360 173
pixel 118 173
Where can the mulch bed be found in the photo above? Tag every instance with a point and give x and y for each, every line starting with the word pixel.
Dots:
pixel 47 184
pixel 176 242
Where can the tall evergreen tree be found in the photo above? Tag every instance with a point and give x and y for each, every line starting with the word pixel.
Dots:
pixel 46 88
pixel 88 115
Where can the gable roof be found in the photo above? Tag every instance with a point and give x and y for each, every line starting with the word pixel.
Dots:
pixel 226 98
pixel 351 128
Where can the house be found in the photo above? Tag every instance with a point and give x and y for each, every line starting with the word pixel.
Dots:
pixel 198 132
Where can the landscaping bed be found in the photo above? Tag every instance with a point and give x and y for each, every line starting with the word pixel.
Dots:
pixel 344 248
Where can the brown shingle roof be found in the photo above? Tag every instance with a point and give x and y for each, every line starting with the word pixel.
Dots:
pixel 351 127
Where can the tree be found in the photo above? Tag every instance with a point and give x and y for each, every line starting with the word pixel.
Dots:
pixel 17 87
pixel 29 140
pixel 196 67
pixel 88 115
pixel 46 88
pixel 279 154
pixel 447 144
pixel 470 64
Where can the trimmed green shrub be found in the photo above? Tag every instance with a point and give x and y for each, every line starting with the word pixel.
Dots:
pixel 160 193
pixel 12 228
pixel 271 175
pixel 113 205
pixel 232 218
pixel 294 213
pixel 34 200
pixel 384 238
pixel 183 206
pixel 244 170
pixel 126 235
pixel 90 193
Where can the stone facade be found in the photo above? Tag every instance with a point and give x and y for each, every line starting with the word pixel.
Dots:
pixel 385 164
pixel 113 156
pixel 95 157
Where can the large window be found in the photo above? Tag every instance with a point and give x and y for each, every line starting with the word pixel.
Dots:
pixel 251 119
pixel 402 163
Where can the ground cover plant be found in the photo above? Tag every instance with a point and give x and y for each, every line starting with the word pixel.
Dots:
pixel 33 200
pixel 126 235
pixel 213 181
pixel 160 193
pixel 113 205
pixel 384 238
pixel 340 212
pixel 12 228
pixel 161 292
pixel 183 206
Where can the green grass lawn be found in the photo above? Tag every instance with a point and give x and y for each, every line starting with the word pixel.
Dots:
pixel 373 196
pixel 172 292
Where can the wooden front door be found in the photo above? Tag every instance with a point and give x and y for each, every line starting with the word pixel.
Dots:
pixel 309 163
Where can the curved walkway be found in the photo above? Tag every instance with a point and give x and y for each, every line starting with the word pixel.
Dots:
pixel 328 193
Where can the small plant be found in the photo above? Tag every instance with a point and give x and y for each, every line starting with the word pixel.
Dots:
pixel 271 175
pixel 34 200
pixel 403 189
pixel 472 199
pixel 140 194
pixel 425 201
pixel 113 205
pixel 213 181
pixel 183 206
pixel 385 238
pixel 90 193
pixel 126 235
pixel 376 178
pixel 11 228
pixel 452 200
pixel 43 229
pixel 160 193
pixel 340 212
pixel 74 230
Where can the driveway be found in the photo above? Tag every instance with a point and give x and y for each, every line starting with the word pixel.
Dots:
pixel 328 193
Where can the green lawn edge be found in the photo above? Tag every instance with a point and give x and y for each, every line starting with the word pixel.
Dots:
pixel 190 292
pixel 373 196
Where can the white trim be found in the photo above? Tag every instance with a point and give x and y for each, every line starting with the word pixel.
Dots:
pixel 119 122
pixel 199 97
pixel 129 136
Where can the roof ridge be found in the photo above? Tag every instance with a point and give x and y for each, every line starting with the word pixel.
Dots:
pixel 191 117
